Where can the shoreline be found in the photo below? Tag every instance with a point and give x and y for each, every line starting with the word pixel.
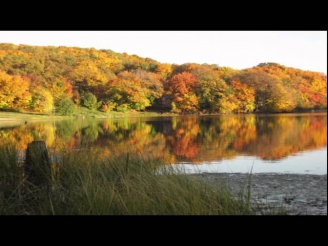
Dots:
pixel 299 194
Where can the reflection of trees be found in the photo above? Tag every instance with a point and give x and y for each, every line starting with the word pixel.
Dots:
pixel 18 136
pixel 91 132
pixel 195 139
pixel 223 137
pixel 135 137
pixel 246 133
pixel 280 136
pixel 183 138
pixel 268 137
pixel 44 132
pixel 66 128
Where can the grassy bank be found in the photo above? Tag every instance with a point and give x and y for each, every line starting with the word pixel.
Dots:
pixel 81 112
pixel 80 184
pixel 15 117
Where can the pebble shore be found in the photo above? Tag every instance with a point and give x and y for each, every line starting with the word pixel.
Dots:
pixel 299 194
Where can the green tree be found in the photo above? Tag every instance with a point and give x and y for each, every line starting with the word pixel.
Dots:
pixel 213 94
pixel 90 101
pixel 65 106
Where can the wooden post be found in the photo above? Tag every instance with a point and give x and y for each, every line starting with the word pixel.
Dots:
pixel 37 163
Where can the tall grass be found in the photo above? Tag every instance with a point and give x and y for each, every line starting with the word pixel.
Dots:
pixel 81 184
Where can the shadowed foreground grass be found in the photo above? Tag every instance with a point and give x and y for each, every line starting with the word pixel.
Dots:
pixel 122 185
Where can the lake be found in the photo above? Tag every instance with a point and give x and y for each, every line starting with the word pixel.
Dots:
pixel 276 143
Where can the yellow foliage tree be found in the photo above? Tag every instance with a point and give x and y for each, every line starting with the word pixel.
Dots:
pixel 87 74
pixel 14 91
pixel 42 100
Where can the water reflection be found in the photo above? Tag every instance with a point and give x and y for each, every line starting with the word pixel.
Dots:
pixel 184 139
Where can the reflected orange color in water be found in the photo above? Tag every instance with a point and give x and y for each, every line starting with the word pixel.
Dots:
pixel 183 139
pixel 191 138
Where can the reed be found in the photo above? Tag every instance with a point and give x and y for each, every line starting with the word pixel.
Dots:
pixel 81 184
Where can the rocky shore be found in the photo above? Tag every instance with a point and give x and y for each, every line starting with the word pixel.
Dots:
pixel 299 194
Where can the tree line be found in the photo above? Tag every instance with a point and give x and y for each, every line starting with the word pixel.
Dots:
pixel 45 79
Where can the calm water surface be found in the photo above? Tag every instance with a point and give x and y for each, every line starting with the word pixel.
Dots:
pixel 280 143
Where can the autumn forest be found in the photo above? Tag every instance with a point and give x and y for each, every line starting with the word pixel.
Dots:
pixel 59 79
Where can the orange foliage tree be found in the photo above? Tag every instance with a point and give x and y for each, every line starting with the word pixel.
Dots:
pixel 245 96
pixel 181 89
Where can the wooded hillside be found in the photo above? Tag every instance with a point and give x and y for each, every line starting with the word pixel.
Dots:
pixel 58 79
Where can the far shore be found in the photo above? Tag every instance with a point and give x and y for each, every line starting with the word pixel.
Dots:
pixel 11 117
